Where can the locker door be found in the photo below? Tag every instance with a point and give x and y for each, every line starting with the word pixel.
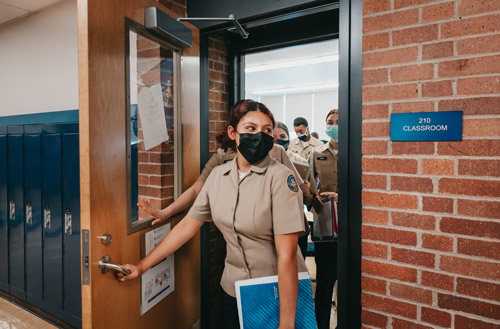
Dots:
pixel 33 213
pixel 52 222
pixel 71 208
pixel 4 228
pixel 15 187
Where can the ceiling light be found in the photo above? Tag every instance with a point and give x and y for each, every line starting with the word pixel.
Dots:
pixel 295 90
pixel 293 63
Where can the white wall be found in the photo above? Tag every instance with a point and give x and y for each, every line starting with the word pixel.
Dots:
pixel 39 62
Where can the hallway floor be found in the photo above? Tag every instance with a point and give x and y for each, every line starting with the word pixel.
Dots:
pixel 15 317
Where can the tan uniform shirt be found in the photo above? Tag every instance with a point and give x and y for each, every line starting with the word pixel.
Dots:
pixel 249 213
pixel 278 153
pixel 304 148
pixel 325 168
pixel 295 157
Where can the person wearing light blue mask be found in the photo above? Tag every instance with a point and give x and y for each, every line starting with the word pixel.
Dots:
pixel 304 143
pixel 332 131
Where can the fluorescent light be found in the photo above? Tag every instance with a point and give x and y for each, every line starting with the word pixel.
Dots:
pixel 295 90
pixel 294 63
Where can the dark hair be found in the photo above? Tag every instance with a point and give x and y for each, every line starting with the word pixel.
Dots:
pixel 239 110
pixel 282 126
pixel 300 121
pixel 334 111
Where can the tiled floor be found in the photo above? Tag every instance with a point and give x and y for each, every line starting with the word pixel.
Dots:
pixel 15 317
pixel 311 266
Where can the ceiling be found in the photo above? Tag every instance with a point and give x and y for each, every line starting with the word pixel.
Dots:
pixel 11 10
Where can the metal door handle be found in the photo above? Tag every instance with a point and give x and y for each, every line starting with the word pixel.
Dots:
pixel 105 265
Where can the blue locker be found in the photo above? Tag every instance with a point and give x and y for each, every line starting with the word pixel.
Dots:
pixel 71 208
pixel 33 213
pixel 4 228
pixel 52 219
pixel 15 195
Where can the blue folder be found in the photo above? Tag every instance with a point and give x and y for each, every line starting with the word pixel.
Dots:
pixel 259 305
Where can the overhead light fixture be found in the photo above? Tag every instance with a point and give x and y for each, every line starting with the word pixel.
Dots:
pixel 295 90
pixel 292 63
pixel 236 24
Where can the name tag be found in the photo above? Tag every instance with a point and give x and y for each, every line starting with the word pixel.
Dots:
pixel 321 158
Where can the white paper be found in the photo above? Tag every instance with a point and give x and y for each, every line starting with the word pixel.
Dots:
pixel 154 126
pixel 158 282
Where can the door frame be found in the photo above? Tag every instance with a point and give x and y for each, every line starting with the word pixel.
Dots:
pixel 349 166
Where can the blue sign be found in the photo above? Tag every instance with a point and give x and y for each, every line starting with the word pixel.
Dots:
pixel 426 126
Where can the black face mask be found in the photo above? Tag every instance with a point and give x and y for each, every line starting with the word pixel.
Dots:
pixel 254 147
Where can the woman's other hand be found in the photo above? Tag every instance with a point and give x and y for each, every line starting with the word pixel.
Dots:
pixel 145 205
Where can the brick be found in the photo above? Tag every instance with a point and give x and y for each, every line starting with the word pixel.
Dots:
pixel 374 181
pixel 472 106
pixel 461 322
pixel 398 201
pixel 375 129
pixel 390 57
pixel 161 158
pixel 391 165
pixel 375 6
pixel 478 86
pixel 413 257
pixel 478 147
pixel 374 147
pixel 418 221
pixel 480 289
pixel 380 111
pixel 390 21
pixel 438 12
pixel 469 267
pixel 437 242
pixel 412 73
pixel 374 285
pixel 411 184
pixel 469 66
pixel 375 41
pixel 470 306
pixel 391 92
pixel 143 180
pixel 374 250
pixel 403 324
pixel 373 77
pixel 437 280
pixel 402 148
pixel 479 167
pixel 388 305
pixel 411 107
pixel 471 7
pixel 487 209
pixel 479 45
pixel 442 205
pixel 394 236
pixel 479 248
pixel 389 271
pixel 437 50
pixel 374 319
pixel 436 317
pixel 470 227
pixel 415 35
pixel 407 3
pixel 410 293
pixel 431 166
pixel 471 26
pixel 375 216
pixel 469 187
pixel 481 127
pixel 437 89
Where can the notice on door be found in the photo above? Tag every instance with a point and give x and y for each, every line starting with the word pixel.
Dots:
pixel 158 282
pixel 154 126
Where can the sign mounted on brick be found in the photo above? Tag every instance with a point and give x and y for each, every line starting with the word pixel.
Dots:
pixel 426 126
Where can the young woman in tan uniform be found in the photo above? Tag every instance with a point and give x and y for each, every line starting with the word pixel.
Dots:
pixel 257 205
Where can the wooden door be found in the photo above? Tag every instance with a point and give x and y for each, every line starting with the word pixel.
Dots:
pixel 107 303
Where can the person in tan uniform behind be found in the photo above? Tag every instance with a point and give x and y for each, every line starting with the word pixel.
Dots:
pixel 304 143
pixel 282 137
pixel 257 205
pixel 324 169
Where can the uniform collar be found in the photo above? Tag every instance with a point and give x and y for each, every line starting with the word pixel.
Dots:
pixel 331 149
pixel 259 167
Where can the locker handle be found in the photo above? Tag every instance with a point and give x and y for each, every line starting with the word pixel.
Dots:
pixel 105 265
pixel 12 209
pixel 67 222
pixel 29 213
pixel 46 217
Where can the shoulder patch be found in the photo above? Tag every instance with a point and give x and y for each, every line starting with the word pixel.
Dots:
pixel 292 183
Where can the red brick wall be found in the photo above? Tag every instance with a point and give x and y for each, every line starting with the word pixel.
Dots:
pixel 431 210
